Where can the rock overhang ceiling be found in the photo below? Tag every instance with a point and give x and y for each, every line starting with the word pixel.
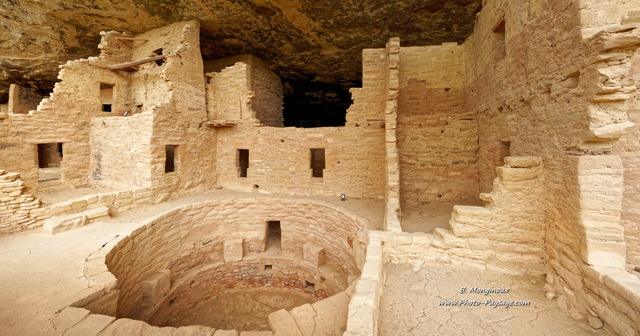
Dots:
pixel 302 40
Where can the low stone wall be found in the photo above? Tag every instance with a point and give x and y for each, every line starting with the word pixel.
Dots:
pixel 18 211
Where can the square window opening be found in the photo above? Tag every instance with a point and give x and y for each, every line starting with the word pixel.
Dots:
pixel 242 162
pixel 268 269
pixel 317 162
pixel 170 158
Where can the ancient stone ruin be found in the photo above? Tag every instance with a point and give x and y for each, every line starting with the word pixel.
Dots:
pixel 476 188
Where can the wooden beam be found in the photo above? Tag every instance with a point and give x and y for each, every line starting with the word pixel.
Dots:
pixel 131 65
pixel 131 39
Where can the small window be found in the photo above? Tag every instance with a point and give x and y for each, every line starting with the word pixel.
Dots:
pixel 243 162
pixel 106 97
pixel 273 235
pixel 499 40
pixel 268 269
pixel 504 150
pixel 309 286
pixel 317 162
pixel 158 52
pixel 170 158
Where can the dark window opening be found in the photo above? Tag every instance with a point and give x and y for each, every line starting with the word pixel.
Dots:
pixel 49 160
pixel 170 158
pixel 243 162
pixel 309 286
pixel 315 104
pixel 317 162
pixel 268 269
pixel 503 151
pixel 273 235
pixel 158 52
pixel 499 40
pixel 106 97
pixel 49 155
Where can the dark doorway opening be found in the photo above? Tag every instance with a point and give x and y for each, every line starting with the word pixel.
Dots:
pixel 243 162
pixel 317 162
pixel 315 104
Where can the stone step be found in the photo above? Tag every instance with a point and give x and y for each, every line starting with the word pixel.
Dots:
pixel 59 224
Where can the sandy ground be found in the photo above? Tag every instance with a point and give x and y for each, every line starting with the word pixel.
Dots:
pixel 413 303
pixel 246 309
pixel 429 216
pixel 41 274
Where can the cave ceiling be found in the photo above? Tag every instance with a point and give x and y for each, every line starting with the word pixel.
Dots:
pixel 302 40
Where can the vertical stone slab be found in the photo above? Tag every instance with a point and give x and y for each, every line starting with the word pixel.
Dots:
pixel 233 250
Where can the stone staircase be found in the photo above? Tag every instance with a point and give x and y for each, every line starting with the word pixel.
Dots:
pixel 59 224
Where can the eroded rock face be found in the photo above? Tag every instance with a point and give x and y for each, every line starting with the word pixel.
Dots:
pixel 302 40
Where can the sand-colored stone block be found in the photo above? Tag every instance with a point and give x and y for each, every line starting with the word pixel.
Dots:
pixel 233 249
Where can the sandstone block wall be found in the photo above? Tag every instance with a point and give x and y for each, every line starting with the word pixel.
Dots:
pixel 226 90
pixel 238 80
pixel 19 211
pixel 628 149
pixel 541 88
pixel 120 154
pixel 22 100
pixel 183 250
pixel 437 136
pixel 280 160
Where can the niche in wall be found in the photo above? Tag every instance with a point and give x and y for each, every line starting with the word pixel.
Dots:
pixel 170 158
pixel 274 235
pixel 106 97
pixel 499 40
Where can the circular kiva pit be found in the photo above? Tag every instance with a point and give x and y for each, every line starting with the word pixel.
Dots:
pixel 229 264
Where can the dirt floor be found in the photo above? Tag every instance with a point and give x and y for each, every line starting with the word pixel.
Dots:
pixel 429 302
pixel 429 216
pixel 242 310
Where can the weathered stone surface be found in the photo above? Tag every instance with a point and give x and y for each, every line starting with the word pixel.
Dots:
pixel 316 39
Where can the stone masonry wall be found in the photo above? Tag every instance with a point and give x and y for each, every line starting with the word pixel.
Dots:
pixel 65 118
pixel 628 148
pixel 506 235
pixel 139 255
pixel 22 100
pixel 18 211
pixel 224 277
pixel 236 81
pixel 225 92
pixel 279 160
pixel 120 154
pixel 540 89
pixel 437 136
